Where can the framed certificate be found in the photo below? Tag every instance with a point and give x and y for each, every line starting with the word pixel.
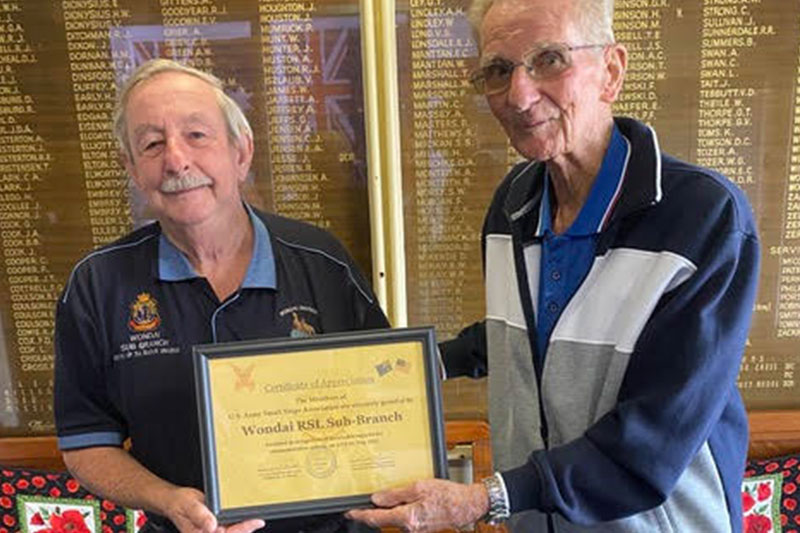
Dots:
pixel 293 427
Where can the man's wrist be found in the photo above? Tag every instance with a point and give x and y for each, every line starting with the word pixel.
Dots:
pixel 499 507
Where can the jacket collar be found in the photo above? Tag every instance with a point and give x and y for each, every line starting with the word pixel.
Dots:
pixel 640 186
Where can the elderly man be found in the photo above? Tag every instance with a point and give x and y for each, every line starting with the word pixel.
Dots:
pixel 212 269
pixel 619 283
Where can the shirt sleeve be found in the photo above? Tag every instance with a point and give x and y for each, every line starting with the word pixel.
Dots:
pixel 679 381
pixel 465 355
pixel 367 309
pixel 84 414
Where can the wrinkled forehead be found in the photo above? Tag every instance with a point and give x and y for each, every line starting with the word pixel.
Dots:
pixel 519 25
pixel 171 85
pixel 171 93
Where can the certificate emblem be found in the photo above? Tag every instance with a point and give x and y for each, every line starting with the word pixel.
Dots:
pixel 244 377
pixel 321 462
pixel 314 425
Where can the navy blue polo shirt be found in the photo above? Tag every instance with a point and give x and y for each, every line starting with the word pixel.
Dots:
pixel 131 312
pixel 163 310
pixel 567 258
pixel 173 266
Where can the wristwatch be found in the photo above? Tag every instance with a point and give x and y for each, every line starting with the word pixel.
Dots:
pixel 499 508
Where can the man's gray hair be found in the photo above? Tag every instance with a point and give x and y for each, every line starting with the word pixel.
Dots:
pixel 234 117
pixel 594 19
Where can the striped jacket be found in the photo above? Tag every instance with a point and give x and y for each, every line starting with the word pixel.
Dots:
pixel 634 421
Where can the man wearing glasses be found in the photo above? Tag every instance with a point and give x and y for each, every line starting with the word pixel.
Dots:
pixel 620 284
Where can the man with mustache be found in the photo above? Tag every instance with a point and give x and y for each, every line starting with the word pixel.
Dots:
pixel 211 269
pixel 619 284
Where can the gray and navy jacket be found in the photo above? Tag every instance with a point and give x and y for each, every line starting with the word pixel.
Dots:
pixel 633 421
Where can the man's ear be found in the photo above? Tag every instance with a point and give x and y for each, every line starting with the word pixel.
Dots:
pixel 616 61
pixel 244 155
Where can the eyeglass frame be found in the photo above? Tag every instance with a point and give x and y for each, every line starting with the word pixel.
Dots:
pixel 478 79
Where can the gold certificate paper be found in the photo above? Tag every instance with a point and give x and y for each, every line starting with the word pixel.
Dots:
pixel 315 425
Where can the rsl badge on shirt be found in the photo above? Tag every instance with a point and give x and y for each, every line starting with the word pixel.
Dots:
pixel 144 313
pixel 145 338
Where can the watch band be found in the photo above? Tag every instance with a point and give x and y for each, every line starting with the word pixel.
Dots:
pixel 499 508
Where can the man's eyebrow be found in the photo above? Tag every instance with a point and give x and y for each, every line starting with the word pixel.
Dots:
pixel 139 131
pixel 492 59
pixel 197 117
pixel 193 118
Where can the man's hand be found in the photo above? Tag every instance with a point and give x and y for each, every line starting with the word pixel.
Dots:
pixel 114 474
pixel 426 506
pixel 189 513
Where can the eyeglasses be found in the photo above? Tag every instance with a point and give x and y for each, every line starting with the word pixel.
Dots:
pixel 541 63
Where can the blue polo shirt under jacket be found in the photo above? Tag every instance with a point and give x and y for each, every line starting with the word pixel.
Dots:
pixel 567 258
pixel 132 310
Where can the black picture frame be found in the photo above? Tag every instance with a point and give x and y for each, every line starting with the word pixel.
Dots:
pixel 204 354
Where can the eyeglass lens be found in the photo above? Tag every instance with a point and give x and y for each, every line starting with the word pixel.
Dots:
pixel 544 63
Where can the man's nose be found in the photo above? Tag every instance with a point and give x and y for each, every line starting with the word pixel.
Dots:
pixel 176 160
pixel 523 90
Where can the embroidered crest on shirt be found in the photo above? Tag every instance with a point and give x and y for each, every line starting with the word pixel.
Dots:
pixel 144 313
pixel 302 320
pixel 301 328
pixel 145 336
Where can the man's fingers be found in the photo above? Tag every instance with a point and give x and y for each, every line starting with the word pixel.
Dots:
pixel 206 524
pixel 395 497
pixel 188 512
pixel 429 505
pixel 247 526
pixel 196 518
pixel 378 517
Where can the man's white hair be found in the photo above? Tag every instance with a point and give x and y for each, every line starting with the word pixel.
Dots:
pixel 593 18
pixel 235 120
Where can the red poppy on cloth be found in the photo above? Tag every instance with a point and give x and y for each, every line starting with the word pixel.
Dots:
pixel 747 501
pixel 757 523
pixel 70 521
pixel 772 486
pixel 764 491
